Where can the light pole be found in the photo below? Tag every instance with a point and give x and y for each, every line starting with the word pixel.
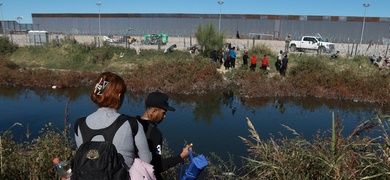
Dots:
pixel 220 2
pixel 364 20
pixel 100 32
pixel 2 19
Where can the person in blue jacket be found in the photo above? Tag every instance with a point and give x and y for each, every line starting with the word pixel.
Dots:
pixel 232 52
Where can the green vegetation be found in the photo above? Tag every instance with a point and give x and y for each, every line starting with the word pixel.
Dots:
pixel 32 159
pixel 353 157
pixel 208 38
pixel 70 64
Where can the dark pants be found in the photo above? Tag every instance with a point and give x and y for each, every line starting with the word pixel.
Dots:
pixel 253 67
pixel 233 62
pixel 227 63
pixel 283 70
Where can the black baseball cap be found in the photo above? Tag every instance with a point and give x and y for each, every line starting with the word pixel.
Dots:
pixel 159 100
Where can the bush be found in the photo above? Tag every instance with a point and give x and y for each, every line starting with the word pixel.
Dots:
pixel 176 76
pixel 33 160
pixel 6 46
pixel 209 39
pixel 353 157
pixel 260 50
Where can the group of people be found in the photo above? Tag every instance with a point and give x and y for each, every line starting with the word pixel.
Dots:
pixel 280 64
pixel 264 62
pixel 226 57
pixel 380 63
pixel 108 94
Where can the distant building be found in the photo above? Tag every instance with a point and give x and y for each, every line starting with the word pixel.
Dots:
pixel 333 28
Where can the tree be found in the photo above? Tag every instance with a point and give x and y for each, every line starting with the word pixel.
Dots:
pixel 208 38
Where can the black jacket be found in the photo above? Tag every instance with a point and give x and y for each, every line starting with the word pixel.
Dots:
pixel 155 138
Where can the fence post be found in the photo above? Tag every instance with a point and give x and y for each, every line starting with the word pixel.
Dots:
pixel 356 47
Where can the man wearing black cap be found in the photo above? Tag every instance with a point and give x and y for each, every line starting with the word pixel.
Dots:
pixel 156 107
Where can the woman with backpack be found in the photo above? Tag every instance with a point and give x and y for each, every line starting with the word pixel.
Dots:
pixel 108 95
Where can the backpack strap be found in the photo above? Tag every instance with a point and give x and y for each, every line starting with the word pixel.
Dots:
pixel 134 125
pixel 108 132
pixel 77 124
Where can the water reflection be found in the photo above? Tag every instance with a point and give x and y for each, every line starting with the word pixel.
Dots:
pixel 211 121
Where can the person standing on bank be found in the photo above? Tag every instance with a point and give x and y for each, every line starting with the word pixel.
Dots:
pixel 264 63
pixel 287 43
pixel 233 57
pixel 156 105
pixel 284 65
pixel 245 60
pixel 108 95
pixel 253 63
pixel 278 63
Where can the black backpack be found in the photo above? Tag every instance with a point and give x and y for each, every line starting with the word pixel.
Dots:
pixel 99 160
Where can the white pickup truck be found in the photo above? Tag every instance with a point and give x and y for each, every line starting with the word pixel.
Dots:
pixel 311 43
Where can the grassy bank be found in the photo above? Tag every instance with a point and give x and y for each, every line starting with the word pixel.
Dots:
pixel 71 64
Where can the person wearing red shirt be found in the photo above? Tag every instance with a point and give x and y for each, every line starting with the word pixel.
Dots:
pixel 264 63
pixel 253 62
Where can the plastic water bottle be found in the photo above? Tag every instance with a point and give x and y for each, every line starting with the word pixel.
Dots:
pixel 62 168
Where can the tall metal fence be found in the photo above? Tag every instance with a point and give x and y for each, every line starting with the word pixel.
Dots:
pixel 338 29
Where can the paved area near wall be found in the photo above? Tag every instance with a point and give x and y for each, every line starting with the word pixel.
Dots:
pixel 243 44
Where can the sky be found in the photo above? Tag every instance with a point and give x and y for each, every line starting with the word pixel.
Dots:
pixel 12 9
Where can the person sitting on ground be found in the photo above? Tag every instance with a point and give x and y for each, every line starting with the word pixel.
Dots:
pixel 379 65
pixel 170 49
pixel 335 55
pixel 373 59
pixel 382 65
pixel 193 49
pixel 379 59
pixel 386 61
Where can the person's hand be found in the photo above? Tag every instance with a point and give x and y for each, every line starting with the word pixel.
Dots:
pixel 184 154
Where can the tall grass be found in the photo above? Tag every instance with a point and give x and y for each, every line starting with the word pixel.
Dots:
pixel 32 159
pixel 352 157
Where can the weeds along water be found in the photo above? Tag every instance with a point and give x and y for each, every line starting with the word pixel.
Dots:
pixel 325 157
pixel 71 64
